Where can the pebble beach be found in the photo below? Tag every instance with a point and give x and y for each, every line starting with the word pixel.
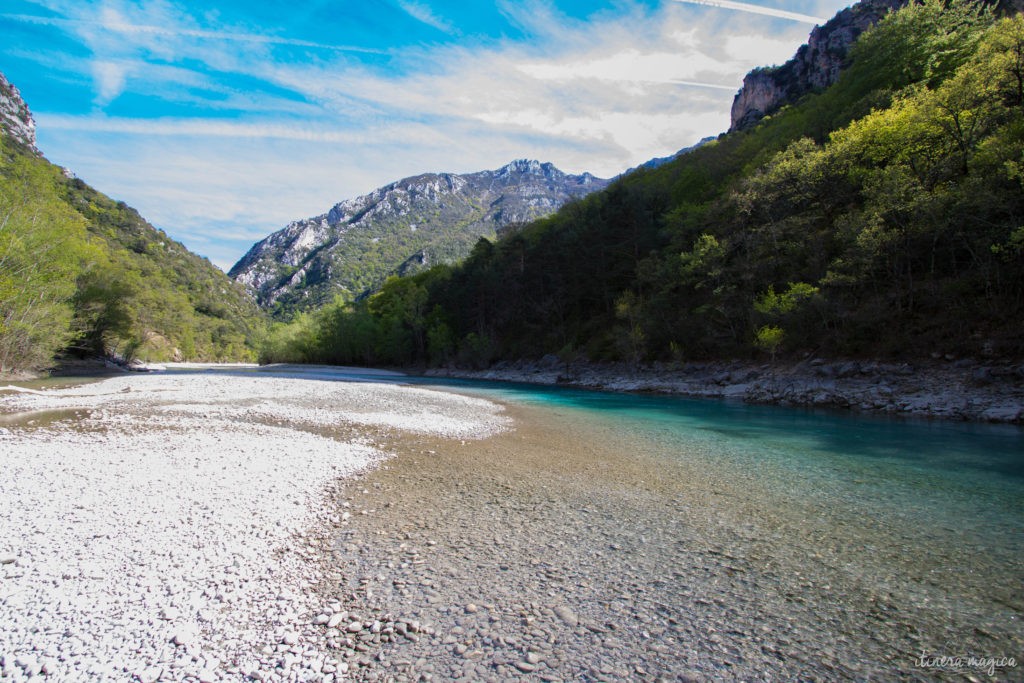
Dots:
pixel 167 527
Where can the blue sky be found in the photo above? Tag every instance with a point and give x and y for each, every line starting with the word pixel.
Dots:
pixel 223 121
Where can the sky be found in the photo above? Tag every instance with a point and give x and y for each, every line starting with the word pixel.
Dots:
pixel 223 121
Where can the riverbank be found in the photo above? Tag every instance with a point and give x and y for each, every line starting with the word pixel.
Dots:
pixel 954 390
pixel 167 526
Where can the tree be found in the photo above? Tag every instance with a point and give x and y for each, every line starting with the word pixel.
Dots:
pixel 769 338
pixel 1002 54
pixel 42 242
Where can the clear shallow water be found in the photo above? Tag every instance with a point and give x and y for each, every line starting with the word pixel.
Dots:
pixel 963 453
pixel 952 476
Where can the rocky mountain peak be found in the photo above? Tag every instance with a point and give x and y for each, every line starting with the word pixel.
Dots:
pixel 400 228
pixel 15 118
pixel 528 167
pixel 816 65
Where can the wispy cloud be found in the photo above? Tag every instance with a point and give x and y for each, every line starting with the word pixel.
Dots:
pixel 117 24
pixel 197 128
pixel 424 14
pixel 757 9
pixel 697 84
pixel 110 79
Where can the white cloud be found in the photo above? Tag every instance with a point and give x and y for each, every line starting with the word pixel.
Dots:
pixel 110 80
pixel 197 128
pixel 111 20
pixel 629 66
pixel 759 49
pixel 424 14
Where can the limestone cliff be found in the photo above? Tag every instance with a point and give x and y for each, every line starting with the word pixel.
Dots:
pixel 15 119
pixel 815 66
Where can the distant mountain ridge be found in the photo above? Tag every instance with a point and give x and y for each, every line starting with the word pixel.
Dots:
pixel 654 163
pixel 400 228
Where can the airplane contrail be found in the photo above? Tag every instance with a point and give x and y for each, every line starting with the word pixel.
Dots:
pixel 699 84
pixel 757 9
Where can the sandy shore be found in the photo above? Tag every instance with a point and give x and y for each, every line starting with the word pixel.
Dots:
pixel 957 390
pixel 165 527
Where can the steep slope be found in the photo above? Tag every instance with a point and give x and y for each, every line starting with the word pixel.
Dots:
pixel 131 291
pixel 399 229
pixel 819 62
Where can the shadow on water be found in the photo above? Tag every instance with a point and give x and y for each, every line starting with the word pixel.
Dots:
pixel 919 443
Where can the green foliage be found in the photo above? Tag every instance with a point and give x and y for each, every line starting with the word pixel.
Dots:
pixel 148 296
pixel 43 247
pixel 80 270
pixel 769 338
pixel 772 303
pixel 924 41
pixel 294 342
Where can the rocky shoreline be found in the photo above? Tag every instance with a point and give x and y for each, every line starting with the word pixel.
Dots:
pixel 965 390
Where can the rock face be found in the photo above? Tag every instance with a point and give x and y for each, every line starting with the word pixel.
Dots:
pixel 399 229
pixel 816 66
pixel 15 119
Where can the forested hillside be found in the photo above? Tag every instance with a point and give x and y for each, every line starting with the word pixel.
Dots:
pixel 84 274
pixel 882 216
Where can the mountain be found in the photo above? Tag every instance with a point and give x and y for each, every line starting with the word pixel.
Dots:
pixel 87 273
pixel 819 62
pixel 661 161
pixel 878 216
pixel 400 228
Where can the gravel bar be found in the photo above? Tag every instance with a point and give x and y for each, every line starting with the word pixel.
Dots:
pixel 169 527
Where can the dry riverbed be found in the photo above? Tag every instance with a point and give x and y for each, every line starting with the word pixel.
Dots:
pixel 165 527
pixel 205 528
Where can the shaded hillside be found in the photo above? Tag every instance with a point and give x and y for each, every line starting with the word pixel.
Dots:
pixel 878 217
pixel 401 228
pixel 85 272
